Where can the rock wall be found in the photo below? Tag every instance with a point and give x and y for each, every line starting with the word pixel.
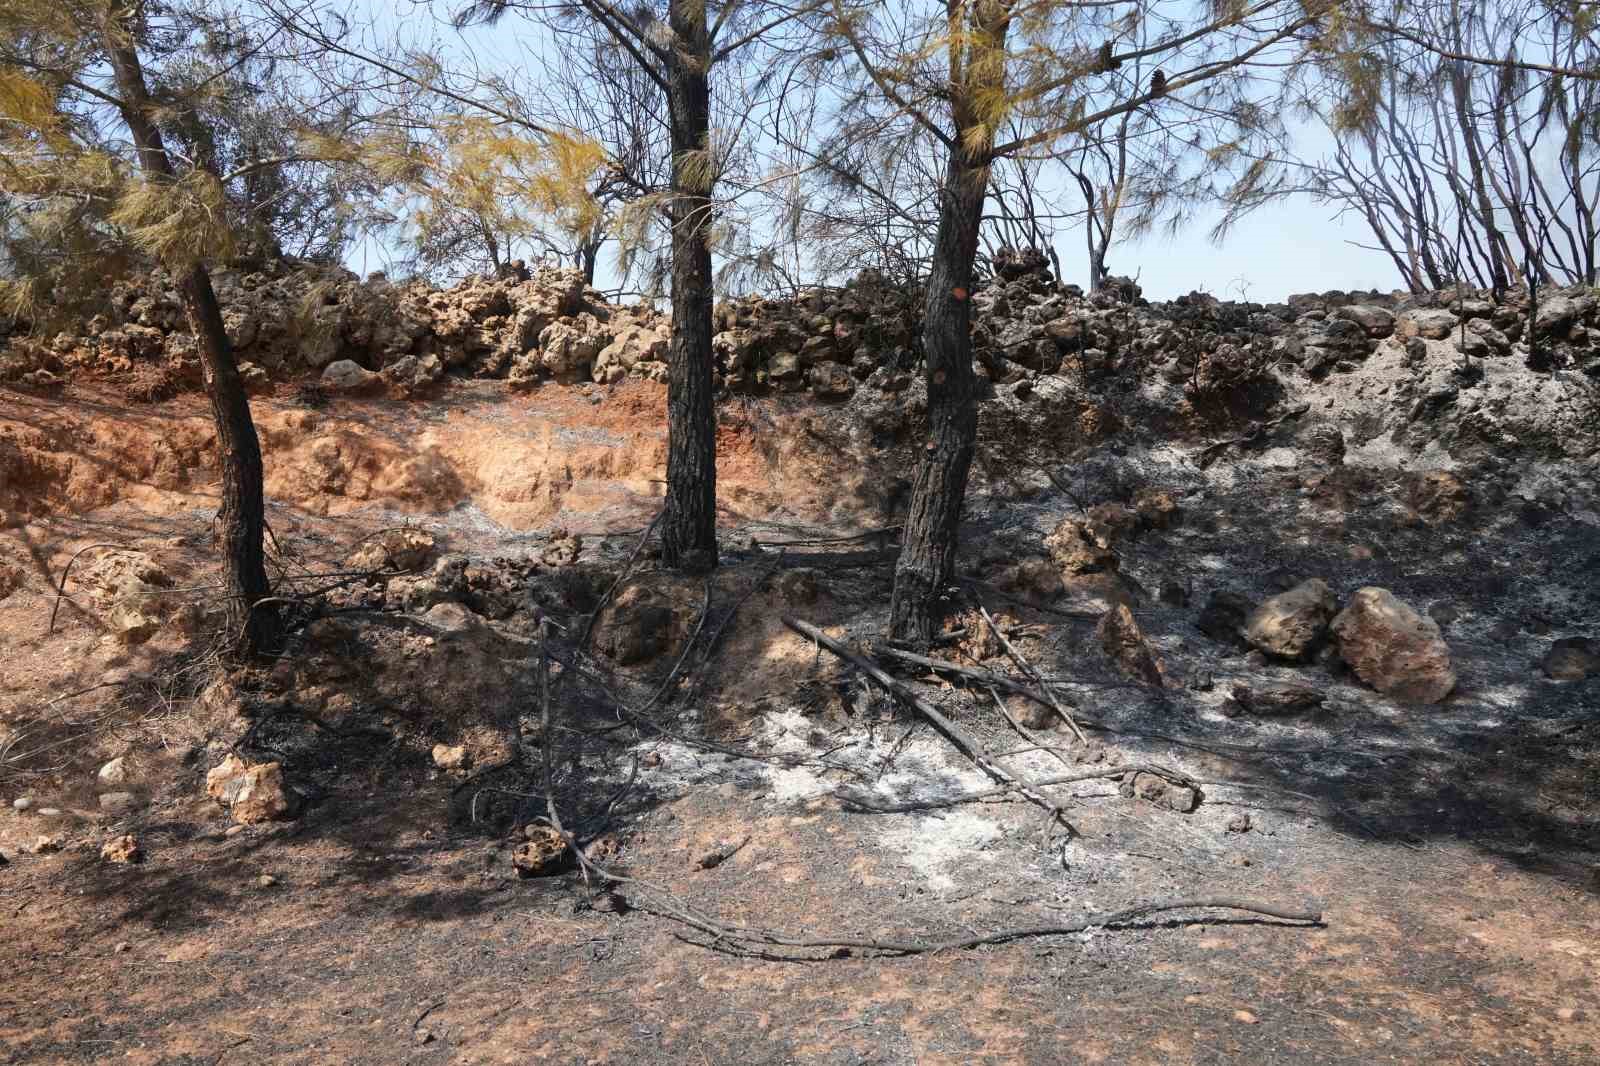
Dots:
pixel 1458 364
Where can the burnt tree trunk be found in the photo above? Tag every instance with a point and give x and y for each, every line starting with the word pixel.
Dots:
pixel 689 525
pixel 927 559
pixel 242 515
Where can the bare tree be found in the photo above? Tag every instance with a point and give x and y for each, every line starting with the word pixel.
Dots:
pixel 1467 159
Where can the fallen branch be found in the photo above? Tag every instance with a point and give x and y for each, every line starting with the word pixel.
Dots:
pixel 963 741
pixel 1116 919
pixel 1257 430
pixel 1028 670
pixel 864 802
pixel 61 589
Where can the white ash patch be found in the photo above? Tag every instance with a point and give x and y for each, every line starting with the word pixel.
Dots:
pixel 936 846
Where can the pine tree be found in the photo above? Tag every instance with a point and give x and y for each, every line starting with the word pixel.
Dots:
pixel 991 79
pixel 62 66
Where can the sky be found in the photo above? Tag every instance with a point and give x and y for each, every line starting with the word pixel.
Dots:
pixel 1289 246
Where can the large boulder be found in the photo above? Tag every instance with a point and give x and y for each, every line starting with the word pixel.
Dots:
pixel 1290 624
pixel 1393 648
pixel 1555 316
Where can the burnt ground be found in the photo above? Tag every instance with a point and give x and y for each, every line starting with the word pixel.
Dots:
pixel 1452 850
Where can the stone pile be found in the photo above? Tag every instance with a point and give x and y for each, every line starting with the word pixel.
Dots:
pixel 1031 334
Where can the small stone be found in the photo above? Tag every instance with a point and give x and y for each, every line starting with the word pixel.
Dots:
pixel 1239 823
pixel 266 881
pixel 1245 1017
pixel 119 802
pixel 233 830
pixel 122 850
pixel 545 852
pixel 346 375
pixel 450 757
pixel 43 845
pixel 22 803
pixel 1126 645
pixel 1572 659
pixel 1238 860
pixel 122 948
pixel 116 772
pixel 1570 1014
pixel 252 792
pixel 49 812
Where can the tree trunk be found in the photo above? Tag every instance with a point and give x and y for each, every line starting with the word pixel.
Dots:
pixel 927 559
pixel 689 526
pixel 242 515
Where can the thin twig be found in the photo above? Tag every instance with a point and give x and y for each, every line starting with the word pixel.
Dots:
pixel 1028 670
pixel 627 567
pixel 964 743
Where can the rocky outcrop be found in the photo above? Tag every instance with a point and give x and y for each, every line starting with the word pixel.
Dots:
pixel 1393 648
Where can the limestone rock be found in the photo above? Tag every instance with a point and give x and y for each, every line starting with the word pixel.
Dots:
pixel 1572 659
pixel 393 549
pixel 1393 648
pixel 1157 509
pixel 1378 322
pixel 1125 643
pixel 1555 316
pixel 252 792
pixel 122 850
pixel 545 852
pixel 1276 701
pixel 1152 788
pixel 1431 323
pixel 119 802
pixel 1077 549
pixel 346 375
pixel 1290 624
pixel 115 773
pixel 568 348
pixel 1438 496
pixel 450 756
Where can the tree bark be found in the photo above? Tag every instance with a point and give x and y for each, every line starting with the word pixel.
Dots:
pixel 242 515
pixel 689 525
pixel 927 558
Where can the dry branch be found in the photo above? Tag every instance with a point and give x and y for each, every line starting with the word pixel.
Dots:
pixel 964 742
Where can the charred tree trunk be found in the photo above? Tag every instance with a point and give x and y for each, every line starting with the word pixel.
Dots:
pixel 242 515
pixel 927 559
pixel 689 526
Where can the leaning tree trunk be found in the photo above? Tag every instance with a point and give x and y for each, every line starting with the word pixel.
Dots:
pixel 689 525
pixel 242 515
pixel 927 559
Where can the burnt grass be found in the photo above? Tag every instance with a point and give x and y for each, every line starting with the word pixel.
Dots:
pixel 1451 849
